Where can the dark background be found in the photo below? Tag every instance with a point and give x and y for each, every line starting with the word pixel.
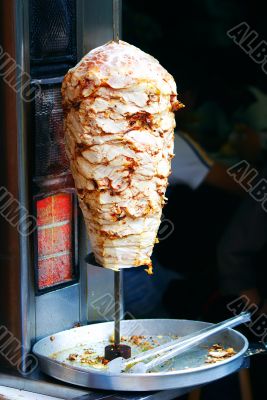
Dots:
pixel 189 38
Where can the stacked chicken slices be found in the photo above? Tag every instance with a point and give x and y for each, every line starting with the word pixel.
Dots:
pixel 119 122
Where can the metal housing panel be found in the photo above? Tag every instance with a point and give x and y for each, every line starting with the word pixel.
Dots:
pixel 57 310
pixel 9 243
pixel 97 22
pixel 26 315
pixel 23 109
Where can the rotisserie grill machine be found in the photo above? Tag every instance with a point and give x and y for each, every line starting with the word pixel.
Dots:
pixel 47 285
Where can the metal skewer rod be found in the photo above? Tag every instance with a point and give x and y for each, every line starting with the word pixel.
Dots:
pixel 117 314
pixel 118 349
pixel 116 20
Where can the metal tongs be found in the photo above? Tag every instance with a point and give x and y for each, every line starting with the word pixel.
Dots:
pixel 173 348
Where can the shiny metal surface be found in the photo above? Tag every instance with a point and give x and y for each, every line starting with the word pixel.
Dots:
pixel 83 248
pixel 160 395
pixel 37 382
pixel 41 383
pixel 57 310
pixel 24 314
pixel 26 295
pixel 197 373
pixel 117 313
pixel 97 22
pixel 113 303
pixel 116 20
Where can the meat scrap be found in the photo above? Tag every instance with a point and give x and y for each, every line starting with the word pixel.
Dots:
pixel 73 357
pixel 218 353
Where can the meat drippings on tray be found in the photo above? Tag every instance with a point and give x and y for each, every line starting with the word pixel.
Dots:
pixel 91 357
pixel 218 353
pixel 86 358
pixel 119 105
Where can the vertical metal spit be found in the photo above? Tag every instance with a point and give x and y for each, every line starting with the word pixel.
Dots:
pixel 117 274
pixel 117 298
pixel 116 20
pixel 116 350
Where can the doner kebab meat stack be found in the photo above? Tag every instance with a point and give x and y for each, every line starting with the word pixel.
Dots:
pixel 118 118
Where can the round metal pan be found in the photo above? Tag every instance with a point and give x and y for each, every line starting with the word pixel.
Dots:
pixel 188 370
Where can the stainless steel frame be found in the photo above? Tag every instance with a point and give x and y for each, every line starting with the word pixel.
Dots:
pixel 27 303
pixel 47 307
pixel 26 313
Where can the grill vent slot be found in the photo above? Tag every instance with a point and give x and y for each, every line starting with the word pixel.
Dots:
pixel 50 155
pixel 52 31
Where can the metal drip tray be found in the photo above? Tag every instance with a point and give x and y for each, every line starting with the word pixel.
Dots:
pixel 186 371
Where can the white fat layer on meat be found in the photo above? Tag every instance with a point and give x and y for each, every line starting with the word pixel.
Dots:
pixel 121 65
pixel 119 139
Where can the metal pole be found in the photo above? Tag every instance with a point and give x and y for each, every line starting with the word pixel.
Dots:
pixel 117 314
pixel 116 20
